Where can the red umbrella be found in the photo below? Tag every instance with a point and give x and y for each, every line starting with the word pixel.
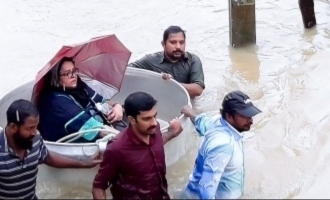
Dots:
pixel 103 59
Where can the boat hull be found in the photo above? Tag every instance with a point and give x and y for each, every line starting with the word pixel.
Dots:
pixel 171 98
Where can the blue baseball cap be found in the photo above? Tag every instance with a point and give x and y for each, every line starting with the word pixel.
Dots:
pixel 241 103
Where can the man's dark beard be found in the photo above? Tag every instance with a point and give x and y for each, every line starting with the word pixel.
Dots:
pixel 173 58
pixel 21 142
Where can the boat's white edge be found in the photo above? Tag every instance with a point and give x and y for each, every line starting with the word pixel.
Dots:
pixel 94 144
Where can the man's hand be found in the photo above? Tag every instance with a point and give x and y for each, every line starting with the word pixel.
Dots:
pixel 116 113
pixel 166 76
pixel 95 161
pixel 187 110
pixel 102 134
pixel 107 132
pixel 175 127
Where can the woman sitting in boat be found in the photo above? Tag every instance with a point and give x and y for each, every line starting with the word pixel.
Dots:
pixel 68 105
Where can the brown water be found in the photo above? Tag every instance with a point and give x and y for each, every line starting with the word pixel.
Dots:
pixel 286 73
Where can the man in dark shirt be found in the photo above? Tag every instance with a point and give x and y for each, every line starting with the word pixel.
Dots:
pixel 134 162
pixel 22 150
pixel 175 62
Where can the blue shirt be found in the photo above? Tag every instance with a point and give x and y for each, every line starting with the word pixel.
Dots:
pixel 219 166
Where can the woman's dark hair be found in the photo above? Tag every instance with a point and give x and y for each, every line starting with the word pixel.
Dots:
pixel 64 59
pixel 55 72
pixel 51 79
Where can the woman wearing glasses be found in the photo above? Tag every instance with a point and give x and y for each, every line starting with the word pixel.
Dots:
pixel 68 105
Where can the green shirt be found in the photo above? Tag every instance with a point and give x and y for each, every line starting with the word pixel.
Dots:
pixel 187 70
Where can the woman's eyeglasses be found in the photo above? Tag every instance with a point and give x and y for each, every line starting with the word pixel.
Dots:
pixel 70 74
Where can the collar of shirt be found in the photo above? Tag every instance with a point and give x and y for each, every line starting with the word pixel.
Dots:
pixel 163 58
pixel 237 135
pixel 4 144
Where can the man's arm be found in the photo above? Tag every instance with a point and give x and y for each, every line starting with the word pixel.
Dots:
pixel 166 137
pixel 112 103
pixel 193 89
pixel 142 63
pixel 188 112
pixel 200 121
pixel 109 168
pixel 215 163
pixel 174 130
pixel 196 78
pixel 56 160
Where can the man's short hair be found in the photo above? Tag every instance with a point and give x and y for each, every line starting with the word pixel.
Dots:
pixel 138 102
pixel 173 30
pixel 20 110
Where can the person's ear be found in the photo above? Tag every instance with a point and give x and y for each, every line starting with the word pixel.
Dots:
pixel 131 120
pixel 13 127
pixel 229 117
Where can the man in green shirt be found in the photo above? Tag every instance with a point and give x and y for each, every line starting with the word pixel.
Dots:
pixel 174 62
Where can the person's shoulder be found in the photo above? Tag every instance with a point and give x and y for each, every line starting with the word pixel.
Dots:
pixel 38 141
pixel 86 86
pixel 193 59
pixel 37 137
pixel 59 98
pixel 49 95
pixel 116 143
pixel 90 91
pixel 54 96
pixel 208 118
pixel 192 56
pixel 156 55
pixel 219 135
pixel 158 129
pixel 2 141
pixel 203 115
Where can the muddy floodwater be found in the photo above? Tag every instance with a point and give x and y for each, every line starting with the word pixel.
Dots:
pixel 286 74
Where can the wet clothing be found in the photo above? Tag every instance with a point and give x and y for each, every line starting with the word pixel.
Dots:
pixel 18 177
pixel 187 70
pixel 219 166
pixel 69 111
pixel 134 169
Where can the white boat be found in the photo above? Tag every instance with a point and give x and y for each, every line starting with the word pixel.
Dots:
pixel 171 98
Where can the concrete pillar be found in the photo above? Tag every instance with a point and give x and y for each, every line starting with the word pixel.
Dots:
pixel 307 12
pixel 242 22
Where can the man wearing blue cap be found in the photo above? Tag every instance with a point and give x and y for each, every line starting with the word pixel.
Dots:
pixel 219 167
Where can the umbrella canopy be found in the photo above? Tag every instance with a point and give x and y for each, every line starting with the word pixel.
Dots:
pixel 103 59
